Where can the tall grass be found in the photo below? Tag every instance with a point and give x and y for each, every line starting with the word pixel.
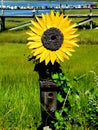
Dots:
pixel 20 36
pixel 88 36
pixel 78 68
pixel 19 89
pixel 13 37
pixel 19 84
pixel 13 22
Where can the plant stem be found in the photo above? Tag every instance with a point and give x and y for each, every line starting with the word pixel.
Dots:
pixel 65 102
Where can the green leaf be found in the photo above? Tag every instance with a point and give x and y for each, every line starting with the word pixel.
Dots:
pixel 62 82
pixel 65 109
pixel 55 76
pixel 62 77
pixel 76 96
pixel 69 84
pixel 65 89
pixel 59 83
pixel 60 98
pixel 91 90
pixel 55 80
pixel 57 115
pixel 72 105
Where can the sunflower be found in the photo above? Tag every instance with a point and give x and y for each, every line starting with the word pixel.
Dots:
pixel 52 38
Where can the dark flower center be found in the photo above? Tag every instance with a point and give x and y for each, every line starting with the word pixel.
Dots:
pixel 52 39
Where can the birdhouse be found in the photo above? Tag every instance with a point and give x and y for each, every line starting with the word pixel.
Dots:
pixel 48 92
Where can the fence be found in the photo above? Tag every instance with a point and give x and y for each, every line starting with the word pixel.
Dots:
pixel 89 18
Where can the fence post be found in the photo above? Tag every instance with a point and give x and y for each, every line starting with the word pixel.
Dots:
pixel 61 10
pixel 2 23
pixel 90 16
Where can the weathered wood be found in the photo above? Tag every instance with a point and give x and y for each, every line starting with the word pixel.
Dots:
pixel 20 26
pixel 48 95
pixel 31 16
pixel 16 16
pixel 83 22
pixel 2 22
pixel 90 17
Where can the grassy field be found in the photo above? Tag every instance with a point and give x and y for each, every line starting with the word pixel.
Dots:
pixel 19 83
pixel 20 36
pixel 19 86
pixel 13 22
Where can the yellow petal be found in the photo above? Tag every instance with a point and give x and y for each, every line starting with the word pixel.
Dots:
pixel 38 56
pixel 52 15
pixel 62 56
pixel 59 55
pixel 29 43
pixel 41 22
pixel 56 20
pixel 53 57
pixel 57 15
pixel 35 45
pixel 44 55
pixel 69 36
pixel 48 20
pixel 35 38
pixel 36 24
pixel 31 33
pixel 67 28
pixel 57 60
pixel 47 60
pixel 63 22
pixel 65 56
pixel 70 43
pixel 59 19
pixel 65 50
pixel 36 30
pixel 61 16
pixel 39 51
pixel 71 49
pixel 73 40
pixel 44 18
pixel 72 31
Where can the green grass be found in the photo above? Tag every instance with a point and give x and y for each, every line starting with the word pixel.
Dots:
pixel 81 11
pixel 13 22
pixel 80 65
pixel 19 86
pixel 20 36
pixel 82 62
pixel 88 36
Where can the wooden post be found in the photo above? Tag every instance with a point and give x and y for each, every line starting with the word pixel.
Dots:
pixel 2 4
pixel 2 23
pixel 90 16
pixel 61 10
pixel 48 93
